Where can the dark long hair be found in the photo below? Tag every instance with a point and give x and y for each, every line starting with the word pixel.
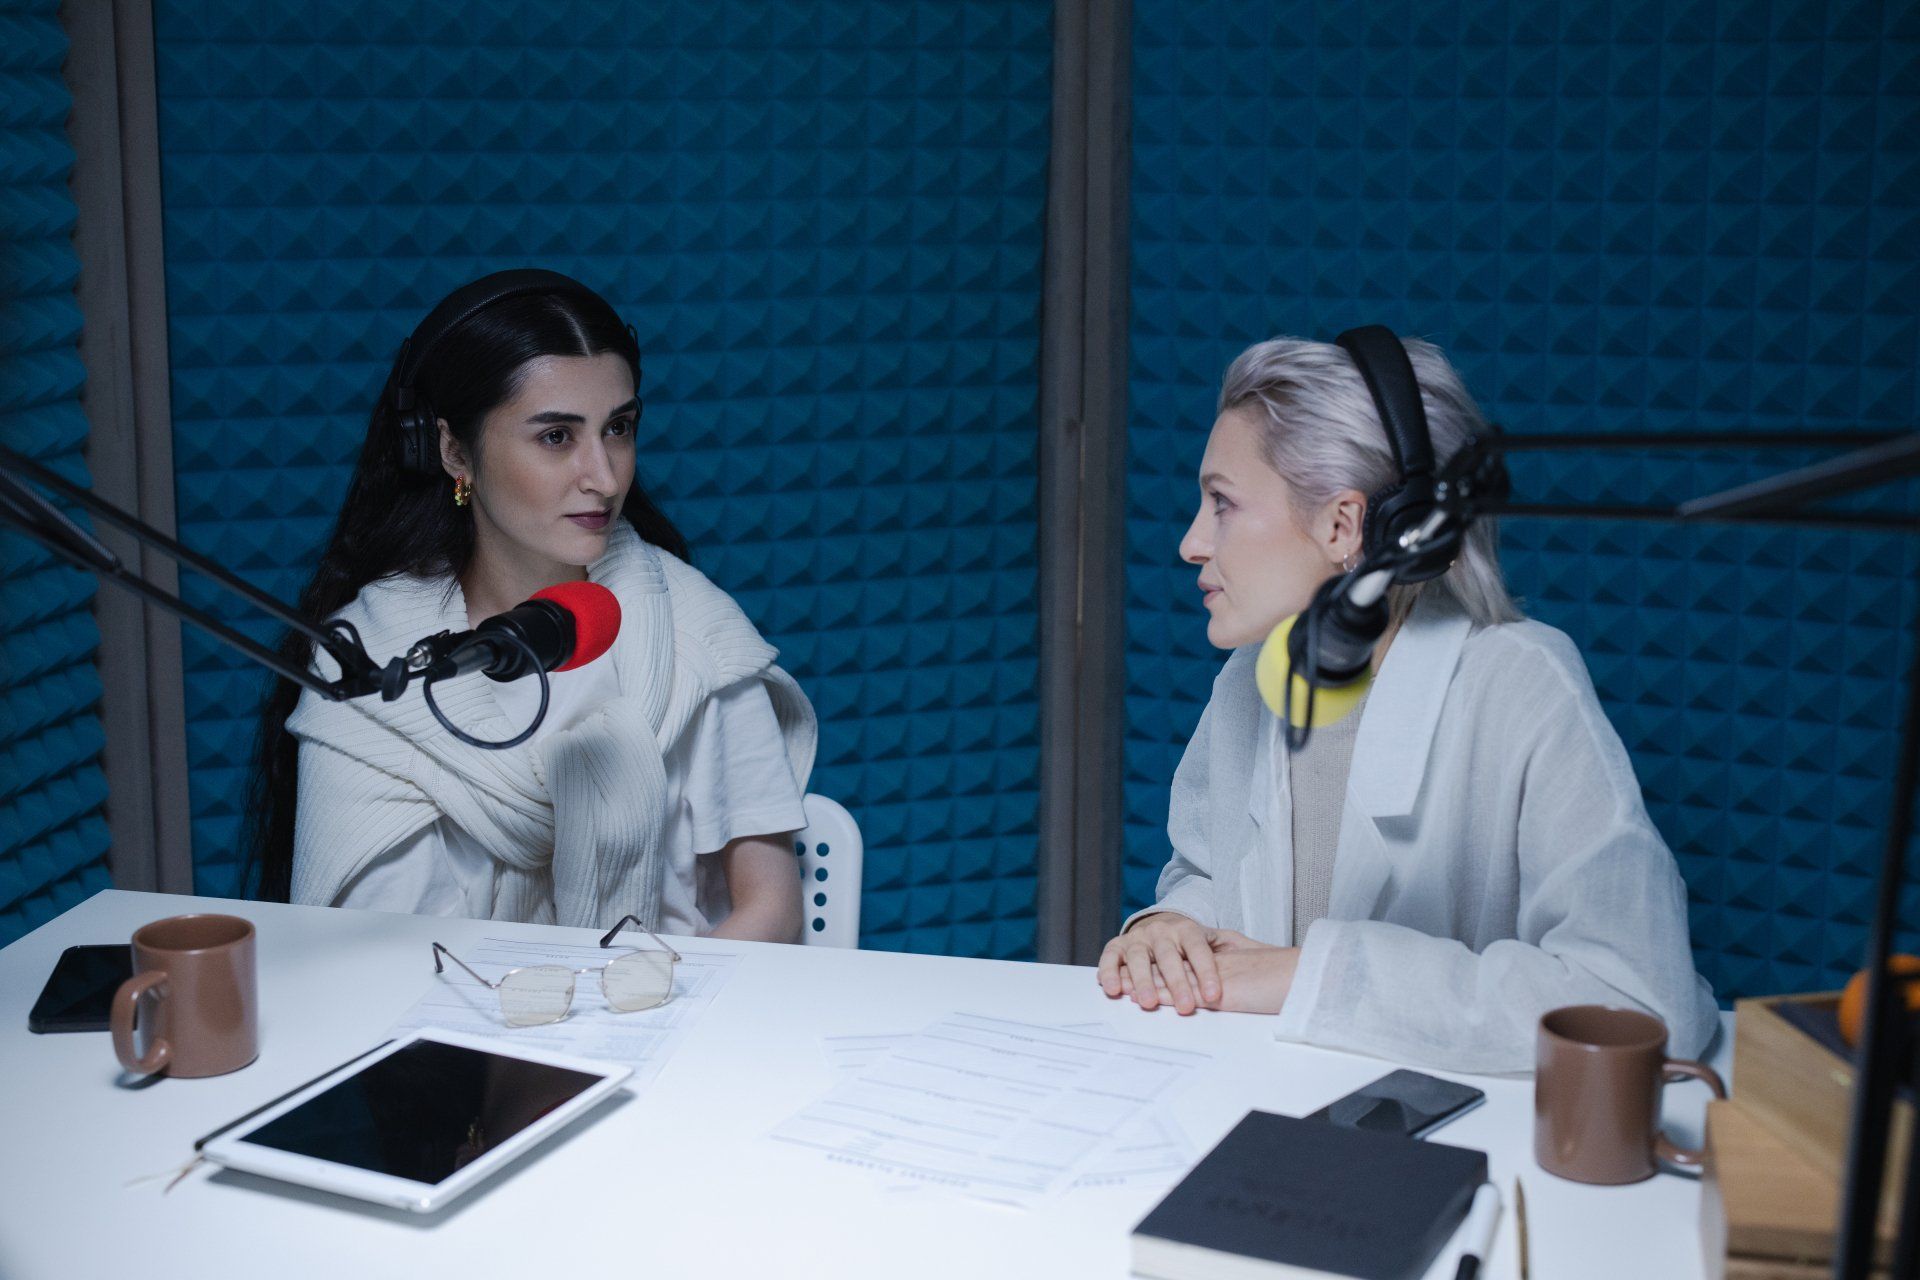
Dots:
pixel 395 521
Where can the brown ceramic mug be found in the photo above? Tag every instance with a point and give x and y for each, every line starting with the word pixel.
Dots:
pixel 1596 1095
pixel 203 1016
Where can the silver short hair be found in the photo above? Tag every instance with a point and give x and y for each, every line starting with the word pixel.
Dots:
pixel 1323 434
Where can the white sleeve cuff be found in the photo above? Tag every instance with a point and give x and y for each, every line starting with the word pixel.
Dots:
pixel 1186 899
pixel 1296 1015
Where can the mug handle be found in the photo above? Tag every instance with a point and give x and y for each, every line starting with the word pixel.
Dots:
pixel 160 1052
pixel 1673 1071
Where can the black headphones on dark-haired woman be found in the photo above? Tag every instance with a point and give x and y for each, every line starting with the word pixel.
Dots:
pixel 419 424
pixel 1404 505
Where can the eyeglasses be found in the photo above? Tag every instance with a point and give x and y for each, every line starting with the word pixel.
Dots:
pixel 543 993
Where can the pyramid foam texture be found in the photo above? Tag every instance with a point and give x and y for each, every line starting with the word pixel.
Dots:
pixel 53 831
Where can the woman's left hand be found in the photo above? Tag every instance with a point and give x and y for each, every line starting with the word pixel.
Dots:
pixel 1254 977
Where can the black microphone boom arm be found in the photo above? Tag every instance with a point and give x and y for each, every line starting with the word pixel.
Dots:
pixel 23 509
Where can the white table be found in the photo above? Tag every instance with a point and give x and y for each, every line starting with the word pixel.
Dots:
pixel 680 1181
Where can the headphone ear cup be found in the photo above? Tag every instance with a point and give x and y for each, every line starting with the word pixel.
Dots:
pixel 1389 513
pixel 1374 525
pixel 419 444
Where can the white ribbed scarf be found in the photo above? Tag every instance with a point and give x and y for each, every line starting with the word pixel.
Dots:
pixel 573 819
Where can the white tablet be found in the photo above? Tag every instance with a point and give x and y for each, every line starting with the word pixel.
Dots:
pixel 418 1121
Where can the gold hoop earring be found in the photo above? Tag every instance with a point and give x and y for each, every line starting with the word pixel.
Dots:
pixel 462 491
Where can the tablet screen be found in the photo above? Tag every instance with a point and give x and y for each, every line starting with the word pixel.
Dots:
pixel 424 1111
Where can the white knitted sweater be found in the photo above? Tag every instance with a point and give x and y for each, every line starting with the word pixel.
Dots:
pixel 573 819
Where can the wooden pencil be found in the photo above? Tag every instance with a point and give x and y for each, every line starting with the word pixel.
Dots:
pixel 1520 1220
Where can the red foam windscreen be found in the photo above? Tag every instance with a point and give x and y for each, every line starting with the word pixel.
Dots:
pixel 596 618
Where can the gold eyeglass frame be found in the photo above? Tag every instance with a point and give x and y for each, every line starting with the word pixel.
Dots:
pixel 606 940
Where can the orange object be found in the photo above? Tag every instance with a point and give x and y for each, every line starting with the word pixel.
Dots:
pixel 1853 1001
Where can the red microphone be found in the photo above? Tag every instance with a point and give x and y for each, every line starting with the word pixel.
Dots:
pixel 595 612
pixel 562 627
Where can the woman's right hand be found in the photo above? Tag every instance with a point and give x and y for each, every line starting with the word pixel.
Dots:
pixel 1164 957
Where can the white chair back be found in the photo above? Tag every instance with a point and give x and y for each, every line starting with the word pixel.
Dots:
pixel 831 854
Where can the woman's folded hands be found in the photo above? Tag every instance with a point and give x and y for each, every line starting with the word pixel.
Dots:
pixel 1169 959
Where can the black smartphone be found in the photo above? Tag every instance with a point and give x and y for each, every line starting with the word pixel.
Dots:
pixel 79 994
pixel 1403 1102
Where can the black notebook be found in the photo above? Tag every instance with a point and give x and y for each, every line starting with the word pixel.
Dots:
pixel 1286 1197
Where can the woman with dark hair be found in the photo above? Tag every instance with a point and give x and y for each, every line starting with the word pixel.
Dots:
pixel 666 771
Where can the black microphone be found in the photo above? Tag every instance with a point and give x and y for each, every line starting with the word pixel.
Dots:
pixel 1316 665
pixel 1335 647
pixel 560 628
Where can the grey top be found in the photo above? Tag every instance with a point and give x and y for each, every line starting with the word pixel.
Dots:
pixel 1319 787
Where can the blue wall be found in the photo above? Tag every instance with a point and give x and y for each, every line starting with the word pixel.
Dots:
pixel 53 834
pixel 1647 216
pixel 825 223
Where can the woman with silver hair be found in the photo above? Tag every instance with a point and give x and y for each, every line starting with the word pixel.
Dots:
pixel 1466 850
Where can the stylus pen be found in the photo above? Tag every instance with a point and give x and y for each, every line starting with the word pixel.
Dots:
pixel 1482 1218
pixel 204 1139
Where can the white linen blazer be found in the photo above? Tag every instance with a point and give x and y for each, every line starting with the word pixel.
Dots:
pixel 1495 857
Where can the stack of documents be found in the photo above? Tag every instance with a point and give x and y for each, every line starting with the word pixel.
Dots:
pixel 1005 1110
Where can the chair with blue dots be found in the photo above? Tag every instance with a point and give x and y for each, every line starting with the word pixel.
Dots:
pixel 830 852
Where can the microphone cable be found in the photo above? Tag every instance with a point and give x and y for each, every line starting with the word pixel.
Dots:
pixel 533 660
pixel 1305 727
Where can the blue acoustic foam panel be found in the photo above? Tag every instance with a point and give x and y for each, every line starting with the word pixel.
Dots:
pixel 1635 217
pixel 53 833
pixel 824 222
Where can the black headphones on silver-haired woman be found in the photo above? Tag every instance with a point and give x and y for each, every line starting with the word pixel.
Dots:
pixel 1316 666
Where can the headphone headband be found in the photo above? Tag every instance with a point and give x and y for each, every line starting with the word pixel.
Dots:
pixel 419 428
pixel 1383 362
pixel 1388 372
